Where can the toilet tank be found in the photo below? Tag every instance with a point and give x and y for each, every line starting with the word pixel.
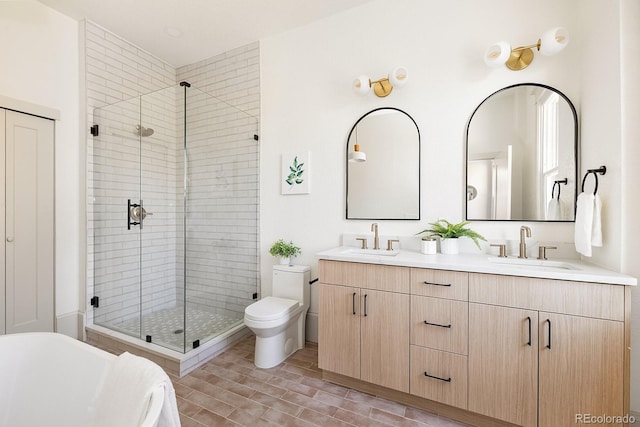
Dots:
pixel 292 282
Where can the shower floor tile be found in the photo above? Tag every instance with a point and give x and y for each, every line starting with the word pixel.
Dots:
pixel 167 327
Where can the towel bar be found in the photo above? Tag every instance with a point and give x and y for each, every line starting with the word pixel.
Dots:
pixel 601 170
pixel 558 182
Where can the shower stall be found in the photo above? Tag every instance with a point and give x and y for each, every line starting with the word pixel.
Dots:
pixel 173 216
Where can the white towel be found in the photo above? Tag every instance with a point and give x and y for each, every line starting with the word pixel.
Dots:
pixel 585 225
pixel 124 398
pixel 596 229
pixel 554 211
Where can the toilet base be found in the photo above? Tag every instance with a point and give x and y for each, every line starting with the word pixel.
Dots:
pixel 271 351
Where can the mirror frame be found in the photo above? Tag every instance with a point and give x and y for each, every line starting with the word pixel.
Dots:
pixel 575 153
pixel 419 168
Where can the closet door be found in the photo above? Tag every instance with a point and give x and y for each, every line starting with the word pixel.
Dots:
pixel 3 236
pixel 29 223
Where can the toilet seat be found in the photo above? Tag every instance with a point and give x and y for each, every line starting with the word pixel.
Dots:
pixel 270 308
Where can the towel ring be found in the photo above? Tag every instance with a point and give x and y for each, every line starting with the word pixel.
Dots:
pixel 558 182
pixel 601 170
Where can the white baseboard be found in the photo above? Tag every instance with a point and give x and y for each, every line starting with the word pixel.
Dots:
pixel 311 333
pixel 71 324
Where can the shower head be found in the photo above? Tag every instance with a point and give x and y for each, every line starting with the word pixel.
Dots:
pixel 143 131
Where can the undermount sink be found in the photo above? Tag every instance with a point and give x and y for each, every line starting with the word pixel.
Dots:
pixel 536 264
pixel 381 252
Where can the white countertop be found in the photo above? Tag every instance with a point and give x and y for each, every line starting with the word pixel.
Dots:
pixel 480 263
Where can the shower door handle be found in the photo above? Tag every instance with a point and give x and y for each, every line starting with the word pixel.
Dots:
pixel 136 213
pixel 130 207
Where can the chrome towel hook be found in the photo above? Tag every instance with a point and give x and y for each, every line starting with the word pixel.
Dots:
pixel 601 170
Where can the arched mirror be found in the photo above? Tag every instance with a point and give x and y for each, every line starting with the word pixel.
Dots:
pixel 522 151
pixel 383 166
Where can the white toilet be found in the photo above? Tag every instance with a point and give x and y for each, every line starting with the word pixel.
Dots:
pixel 279 320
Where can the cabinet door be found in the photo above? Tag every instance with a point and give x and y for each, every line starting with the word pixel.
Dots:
pixel 2 221
pixel 503 363
pixel 385 339
pixel 582 372
pixel 339 329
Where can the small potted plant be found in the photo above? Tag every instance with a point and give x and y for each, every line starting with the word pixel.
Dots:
pixel 449 233
pixel 284 251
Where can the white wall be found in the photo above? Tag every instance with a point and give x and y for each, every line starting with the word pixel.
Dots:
pixel 600 119
pixel 308 104
pixel 40 65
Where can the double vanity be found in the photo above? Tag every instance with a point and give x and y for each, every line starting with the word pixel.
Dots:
pixel 477 338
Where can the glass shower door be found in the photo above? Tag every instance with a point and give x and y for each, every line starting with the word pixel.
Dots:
pixel 161 189
pixel 114 178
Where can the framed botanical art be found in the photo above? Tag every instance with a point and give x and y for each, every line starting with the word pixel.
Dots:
pixel 295 173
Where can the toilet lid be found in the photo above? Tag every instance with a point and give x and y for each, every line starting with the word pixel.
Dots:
pixel 270 308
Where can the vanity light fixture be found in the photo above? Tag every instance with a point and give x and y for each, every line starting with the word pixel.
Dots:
pixel 382 87
pixel 519 58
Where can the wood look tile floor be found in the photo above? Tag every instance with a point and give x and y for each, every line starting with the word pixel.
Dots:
pixel 230 391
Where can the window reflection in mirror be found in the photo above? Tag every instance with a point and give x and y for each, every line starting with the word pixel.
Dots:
pixel 522 156
pixel 387 184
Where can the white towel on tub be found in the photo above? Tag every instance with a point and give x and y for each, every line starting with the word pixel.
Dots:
pixel 125 395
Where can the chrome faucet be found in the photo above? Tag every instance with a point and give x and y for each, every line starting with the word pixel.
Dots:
pixel 376 238
pixel 524 231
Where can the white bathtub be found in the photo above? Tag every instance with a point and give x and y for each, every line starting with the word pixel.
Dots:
pixel 49 379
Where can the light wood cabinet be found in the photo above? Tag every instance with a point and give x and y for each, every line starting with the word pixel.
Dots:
pixel 582 371
pixel 440 283
pixel 339 330
pixel 439 376
pixel 488 350
pixel 439 324
pixel 535 368
pixel 503 363
pixel 363 333
pixel 384 348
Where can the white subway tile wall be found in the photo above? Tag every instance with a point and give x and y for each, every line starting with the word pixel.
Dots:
pixel 222 181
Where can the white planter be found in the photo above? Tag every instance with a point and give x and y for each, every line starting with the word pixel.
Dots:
pixel 284 261
pixel 449 246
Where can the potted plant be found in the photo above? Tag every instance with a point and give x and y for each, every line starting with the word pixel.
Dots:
pixel 449 233
pixel 284 251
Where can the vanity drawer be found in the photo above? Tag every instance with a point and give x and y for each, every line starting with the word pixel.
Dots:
pixel 448 324
pixel 449 386
pixel 371 276
pixel 440 283
pixel 596 300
